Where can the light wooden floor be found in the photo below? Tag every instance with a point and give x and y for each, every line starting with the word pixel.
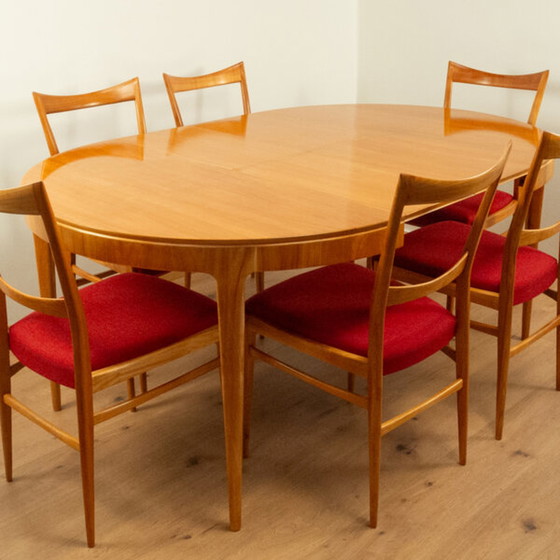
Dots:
pixel 161 487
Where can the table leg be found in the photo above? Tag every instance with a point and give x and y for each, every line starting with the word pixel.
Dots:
pixel 231 312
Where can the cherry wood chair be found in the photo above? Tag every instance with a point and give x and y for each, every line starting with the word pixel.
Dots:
pixel 234 74
pixel 231 75
pixel 508 271
pixel 93 338
pixel 358 320
pixel 504 203
pixel 46 104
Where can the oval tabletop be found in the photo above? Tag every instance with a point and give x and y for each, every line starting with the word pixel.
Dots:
pixel 275 177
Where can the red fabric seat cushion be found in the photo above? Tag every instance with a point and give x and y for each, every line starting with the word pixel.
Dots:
pixel 128 315
pixel 430 250
pixel 465 210
pixel 331 305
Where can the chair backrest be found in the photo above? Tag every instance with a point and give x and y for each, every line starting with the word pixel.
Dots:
pixel 463 74
pixel 126 91
pixel 231 75
pixel 524 229
pixel 32 200
pixel 412 190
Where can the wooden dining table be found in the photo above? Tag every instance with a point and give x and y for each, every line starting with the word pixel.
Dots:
pixel 274 190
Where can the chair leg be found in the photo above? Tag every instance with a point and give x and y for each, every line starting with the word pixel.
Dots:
pixel 188 279
pixel 375 399
pixel 85 428
pixel 56 397
pixel 259 281
pixel 248 394
pixel 350 382
pixel 88 494
pixel 374 468
pixel 6 421
pixel 526 319
pixel 131 387
pixel 504 344
pixel 143 382
pixel 131 390
pixel 450 303
pixel 462 365
pixel 462 418
pixel 5 410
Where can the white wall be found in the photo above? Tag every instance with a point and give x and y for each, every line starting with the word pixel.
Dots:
pixel 296 52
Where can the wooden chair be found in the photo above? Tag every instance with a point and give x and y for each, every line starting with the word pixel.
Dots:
pixel 508 270
pixel 231 75
pixel 92 338
pixel 128 91
pixel 504 203
pixel 356 319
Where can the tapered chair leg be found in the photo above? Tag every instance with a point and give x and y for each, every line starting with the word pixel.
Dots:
pixel 462 365
pixel 88 490
pixel 56 397
pixel 504 344
pixel 259 281
pixel 131 390
pixel 5 410
pixel 6 420
pixel 526 319
pixel 143 382
pixel 374 442
pixel 462 419
pixel 558 347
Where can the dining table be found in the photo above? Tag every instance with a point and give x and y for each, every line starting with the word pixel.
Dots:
pixel 281 189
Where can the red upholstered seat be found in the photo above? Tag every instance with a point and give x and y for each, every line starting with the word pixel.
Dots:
pixel 128 315
pixel 331 305
pixel 430 249
pixel 465 210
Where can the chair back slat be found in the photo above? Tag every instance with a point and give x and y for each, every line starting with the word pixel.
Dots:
pixel 457 73
pixel 48 104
